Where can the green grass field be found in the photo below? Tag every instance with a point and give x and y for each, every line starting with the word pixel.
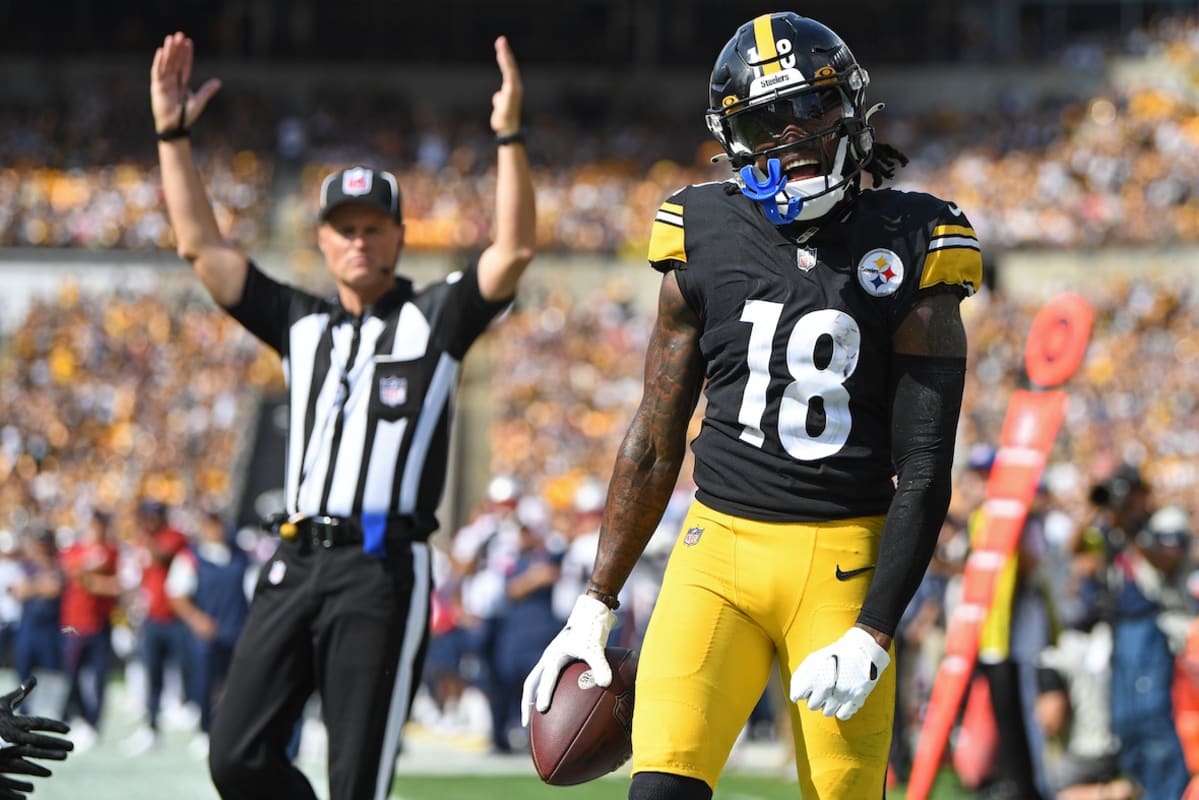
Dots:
pixel 431 768
pixel 732 787
pixel 104 773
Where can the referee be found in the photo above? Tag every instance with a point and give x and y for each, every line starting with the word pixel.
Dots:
pixel 343 606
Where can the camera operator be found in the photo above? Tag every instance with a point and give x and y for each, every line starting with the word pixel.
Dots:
pixel 1130 557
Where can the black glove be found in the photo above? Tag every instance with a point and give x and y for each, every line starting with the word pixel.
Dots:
pixel 13 789
pixel 20 741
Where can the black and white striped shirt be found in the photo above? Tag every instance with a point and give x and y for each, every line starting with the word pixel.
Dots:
pixel 371 396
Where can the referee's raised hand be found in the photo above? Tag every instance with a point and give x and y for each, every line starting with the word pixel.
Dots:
pixel 176 107
pixel 505 103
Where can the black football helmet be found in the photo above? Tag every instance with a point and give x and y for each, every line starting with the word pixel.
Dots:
pixel 781 76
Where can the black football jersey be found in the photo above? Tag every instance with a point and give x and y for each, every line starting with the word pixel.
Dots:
pixel 796 337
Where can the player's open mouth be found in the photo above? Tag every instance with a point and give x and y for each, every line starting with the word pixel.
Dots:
pixel 805 168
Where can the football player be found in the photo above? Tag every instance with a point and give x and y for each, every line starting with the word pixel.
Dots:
pixel 820 317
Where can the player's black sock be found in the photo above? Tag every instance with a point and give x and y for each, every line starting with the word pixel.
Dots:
pixel 664 786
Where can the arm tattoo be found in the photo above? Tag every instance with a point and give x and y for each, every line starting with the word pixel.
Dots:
pixel 648 462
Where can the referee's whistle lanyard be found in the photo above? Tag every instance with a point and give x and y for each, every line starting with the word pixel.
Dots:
pixel 336 414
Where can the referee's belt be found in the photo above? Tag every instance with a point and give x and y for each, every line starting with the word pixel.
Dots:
pixel 329 532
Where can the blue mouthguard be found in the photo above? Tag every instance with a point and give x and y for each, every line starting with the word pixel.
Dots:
pixel 764 192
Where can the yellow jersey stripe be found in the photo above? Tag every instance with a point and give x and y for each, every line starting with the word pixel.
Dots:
pixel 764 38
pixel 666 243
pixel 954 230
pixel 673 208
pixel 956 266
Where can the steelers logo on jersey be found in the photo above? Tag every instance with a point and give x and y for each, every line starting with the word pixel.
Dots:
pixel 880 272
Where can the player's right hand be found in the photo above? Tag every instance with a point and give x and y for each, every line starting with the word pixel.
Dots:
pixel 583 639
pixel 171 99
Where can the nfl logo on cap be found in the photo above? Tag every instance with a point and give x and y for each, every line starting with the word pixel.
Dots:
pixel 356 181
pixel 363 186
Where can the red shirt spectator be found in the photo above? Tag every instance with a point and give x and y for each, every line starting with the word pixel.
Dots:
pixel 161 543
pixel 90 594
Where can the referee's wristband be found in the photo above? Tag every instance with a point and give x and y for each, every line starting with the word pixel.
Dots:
pixel 173 134
pixel 517 137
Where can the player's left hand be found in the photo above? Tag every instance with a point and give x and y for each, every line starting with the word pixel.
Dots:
pixel 505 103
pixel 837 679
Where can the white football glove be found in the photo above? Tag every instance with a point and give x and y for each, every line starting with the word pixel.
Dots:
pixel 583 639
pixel 837 679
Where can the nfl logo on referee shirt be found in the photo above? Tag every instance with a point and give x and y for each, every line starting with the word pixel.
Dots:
pixel 393 391
pixel 691 537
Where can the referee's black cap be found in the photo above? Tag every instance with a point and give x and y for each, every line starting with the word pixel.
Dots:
pixel 370 187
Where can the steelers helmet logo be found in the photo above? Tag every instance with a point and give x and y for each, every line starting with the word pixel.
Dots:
pixel 880 272
pixel 824 75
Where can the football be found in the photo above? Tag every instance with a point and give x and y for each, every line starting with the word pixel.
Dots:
pixel 587 731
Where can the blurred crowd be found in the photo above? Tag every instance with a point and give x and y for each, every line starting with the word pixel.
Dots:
pixel 78 169
pixel 106 397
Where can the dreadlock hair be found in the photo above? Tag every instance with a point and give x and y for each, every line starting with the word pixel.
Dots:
pixel 884 160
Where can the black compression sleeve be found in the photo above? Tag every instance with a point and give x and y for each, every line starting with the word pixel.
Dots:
pixel 927 398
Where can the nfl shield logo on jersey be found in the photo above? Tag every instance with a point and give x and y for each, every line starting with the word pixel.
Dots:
pixel 393 391
pixel 691 537
pixel 805 257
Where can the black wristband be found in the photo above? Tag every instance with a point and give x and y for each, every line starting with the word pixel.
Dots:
pixel 512 138
pixel 173 134
pixel 180 131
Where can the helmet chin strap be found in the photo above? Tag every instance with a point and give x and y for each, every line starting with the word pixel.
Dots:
pixel 769 191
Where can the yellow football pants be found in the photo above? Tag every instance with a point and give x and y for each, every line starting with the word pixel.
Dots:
pixel 738 597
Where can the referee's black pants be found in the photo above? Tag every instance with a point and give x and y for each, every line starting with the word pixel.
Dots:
pixel 344 623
